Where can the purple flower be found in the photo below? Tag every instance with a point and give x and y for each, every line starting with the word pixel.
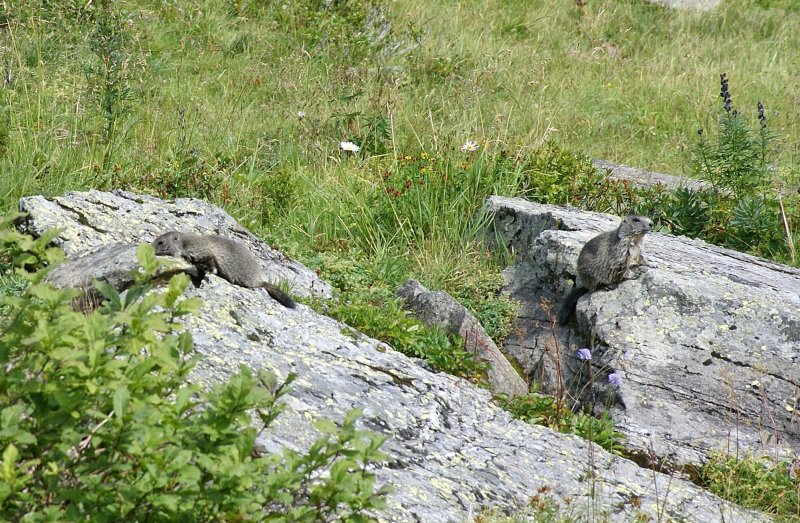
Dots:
pixel 584 354
pixel 724 93
pixel 761 116
pixel 615 379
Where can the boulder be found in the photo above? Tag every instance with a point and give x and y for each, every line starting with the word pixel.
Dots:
pixel 100 231
pixel 706 340
pixel 439 309
pixel 451 450
pixel 644 178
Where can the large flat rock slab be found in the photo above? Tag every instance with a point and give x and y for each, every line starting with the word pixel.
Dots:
pixel 707 340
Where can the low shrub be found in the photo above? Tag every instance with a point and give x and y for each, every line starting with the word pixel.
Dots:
pixel 98 421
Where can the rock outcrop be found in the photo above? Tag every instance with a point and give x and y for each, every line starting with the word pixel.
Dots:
pixel 707 340
pixel 644 178
pixel 451 450
pixel 100 230
pixel 439 309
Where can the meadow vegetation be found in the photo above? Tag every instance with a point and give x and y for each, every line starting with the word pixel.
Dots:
pixel 247 103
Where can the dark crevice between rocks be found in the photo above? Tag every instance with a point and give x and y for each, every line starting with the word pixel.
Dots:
pixel 444 410
pixel 400 381
pixel 82 219
pixel 365 379
pixel 783 378
pixel 719 356
pixel 662 464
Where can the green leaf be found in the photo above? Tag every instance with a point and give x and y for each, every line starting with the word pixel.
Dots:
pixel 183 399
pixel 11 416
pixel 10 455
pixel 146 256
pixel 121 398
pixel 109 293
pixel 326 426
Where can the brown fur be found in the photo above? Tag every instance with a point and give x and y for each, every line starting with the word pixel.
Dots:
pixel 607 259
pixel 224 257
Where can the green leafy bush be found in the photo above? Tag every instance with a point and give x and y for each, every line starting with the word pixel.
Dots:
pixel 755 225
pixel 559 176
pixel 98 421
pixel 687 213
pixel 740 210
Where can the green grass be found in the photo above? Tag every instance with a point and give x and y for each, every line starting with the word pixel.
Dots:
pixel 755 483
pixel 626 81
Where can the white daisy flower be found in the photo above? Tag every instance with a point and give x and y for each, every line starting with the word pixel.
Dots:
pixel 349 146
pixel 469 147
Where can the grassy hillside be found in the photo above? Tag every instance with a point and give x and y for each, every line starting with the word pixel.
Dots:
pixel 246 103
pixel 222 83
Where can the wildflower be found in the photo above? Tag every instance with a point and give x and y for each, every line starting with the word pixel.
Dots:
pixel 724 93
pixel 615 379
pixel 349 146
pixel 469 147
pixel 584 354
pixel 761 116
pixel 301 115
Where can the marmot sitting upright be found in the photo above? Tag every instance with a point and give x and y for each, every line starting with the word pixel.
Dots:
pixel 606 260
pixel 226 258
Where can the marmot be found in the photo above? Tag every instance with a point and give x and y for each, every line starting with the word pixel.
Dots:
pixel 226 258
pixel 606 260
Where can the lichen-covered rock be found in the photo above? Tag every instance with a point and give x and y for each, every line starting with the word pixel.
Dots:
pixel 707 340
pixel 100 231
pixel 440 309
pixel 451 450
pixel 644 178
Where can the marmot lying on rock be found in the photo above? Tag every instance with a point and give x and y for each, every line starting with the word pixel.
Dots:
pixel 226 258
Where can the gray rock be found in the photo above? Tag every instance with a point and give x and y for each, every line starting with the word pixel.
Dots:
pixel 442 310
pixel 706 340
pixel 451 450
pixel 100 231
pixel 698 5
pixel 645 178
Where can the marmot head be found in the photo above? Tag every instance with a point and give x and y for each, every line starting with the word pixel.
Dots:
pixel 168 244
pixel 634 226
